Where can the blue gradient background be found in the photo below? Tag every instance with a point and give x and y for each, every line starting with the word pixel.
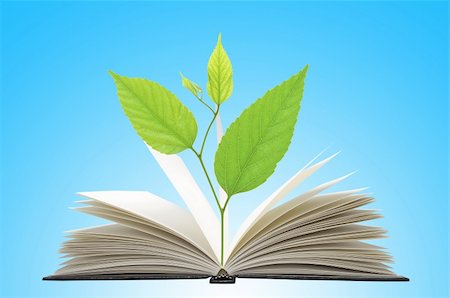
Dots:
pixel 377 89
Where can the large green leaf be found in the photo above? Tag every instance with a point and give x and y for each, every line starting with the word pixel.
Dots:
pixel 220 74
pixel 257 140
pixel 156 114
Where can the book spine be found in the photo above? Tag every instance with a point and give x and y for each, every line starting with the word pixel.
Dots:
pixel 222 277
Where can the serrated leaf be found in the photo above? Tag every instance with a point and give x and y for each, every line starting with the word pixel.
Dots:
pixel 191 86
pixel 220 74
pixel 257 140
pixel 156 114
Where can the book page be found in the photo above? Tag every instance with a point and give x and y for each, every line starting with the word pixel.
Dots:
pixel 271 215
pixel 181 178
pixel 280 193
pixel 118 247
pixel 318 246
pixel 155 209
pixel 138 224
pixel 314 214
pixel 314 229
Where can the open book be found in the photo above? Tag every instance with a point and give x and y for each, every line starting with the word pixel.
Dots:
pixel 315 235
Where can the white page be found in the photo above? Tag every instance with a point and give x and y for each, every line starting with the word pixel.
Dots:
pixel 155 209
pixel 280 193
pixel 181 178
pixel 121 237
pixel 271 215
pixel 279 211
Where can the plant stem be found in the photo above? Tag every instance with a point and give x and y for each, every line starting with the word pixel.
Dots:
pixel 222 212
pixel 209 128
pixel 199 157
pixel 203 102
pixel 226 202
pixel 222 215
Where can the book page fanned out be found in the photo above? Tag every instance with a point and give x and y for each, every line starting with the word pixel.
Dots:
pixel 280 193
pixel 155 209
pixel 181 178
pixel 308 195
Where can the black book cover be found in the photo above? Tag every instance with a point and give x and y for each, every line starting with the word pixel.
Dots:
pixel 222 277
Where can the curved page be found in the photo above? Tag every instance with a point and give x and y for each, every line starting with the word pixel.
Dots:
pixel 155 209
pixel 181 178
pixel 280 193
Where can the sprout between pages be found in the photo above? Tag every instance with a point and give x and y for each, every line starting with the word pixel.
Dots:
pixel 251 147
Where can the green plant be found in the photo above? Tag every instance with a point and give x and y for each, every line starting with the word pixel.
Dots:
pixel 251 147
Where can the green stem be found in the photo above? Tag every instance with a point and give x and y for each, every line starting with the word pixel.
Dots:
pixel 207 176
pixel 222 212
pixel 203 102
pixel 222 215
pixel 209 128
pixel 199 157
pixel 226 202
